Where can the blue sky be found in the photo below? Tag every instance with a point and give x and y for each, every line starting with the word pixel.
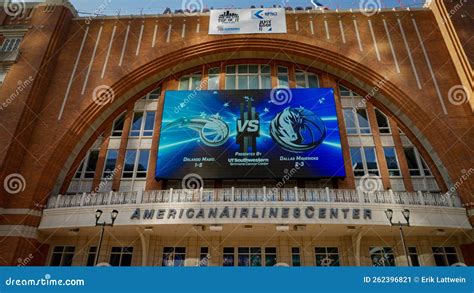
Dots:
pixel 158 6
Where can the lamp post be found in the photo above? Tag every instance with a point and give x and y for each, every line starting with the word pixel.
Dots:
pixel 406 215
pixel 113 216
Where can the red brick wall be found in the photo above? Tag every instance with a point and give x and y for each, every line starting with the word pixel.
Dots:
pixel 39 144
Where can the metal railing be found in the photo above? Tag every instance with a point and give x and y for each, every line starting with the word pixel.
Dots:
pixel 306 195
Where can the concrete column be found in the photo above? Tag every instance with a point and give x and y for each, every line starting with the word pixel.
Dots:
pixel 216 252
pixel 151 251
pixel 425 253
pixel 192 252
pixel 284 251
pixel 144 242
pixel 158 251
pixel 81 252
pixel 357 248
pixel 307 253
pixel 347 252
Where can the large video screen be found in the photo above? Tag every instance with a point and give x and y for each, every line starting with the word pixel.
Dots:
pixel 250 134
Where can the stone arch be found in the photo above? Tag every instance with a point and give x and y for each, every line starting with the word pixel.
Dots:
pixel 131 86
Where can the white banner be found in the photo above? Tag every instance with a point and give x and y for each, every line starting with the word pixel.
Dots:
pixel 247 21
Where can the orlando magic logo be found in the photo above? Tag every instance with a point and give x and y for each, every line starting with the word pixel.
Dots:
pixel 297 130
pixel 212 131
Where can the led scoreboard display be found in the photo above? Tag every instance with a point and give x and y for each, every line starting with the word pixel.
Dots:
pixel 250 134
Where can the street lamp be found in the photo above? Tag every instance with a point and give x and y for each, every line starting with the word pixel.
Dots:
pixel 406 215
pixel 113 216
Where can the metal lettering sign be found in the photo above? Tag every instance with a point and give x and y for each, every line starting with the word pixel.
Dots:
pixel 247 21
pixel 227 212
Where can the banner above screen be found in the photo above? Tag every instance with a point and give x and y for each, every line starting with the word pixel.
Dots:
pixel 247 21
pixel 244 134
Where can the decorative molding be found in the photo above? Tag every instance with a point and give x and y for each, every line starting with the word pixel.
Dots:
pixel 29 212
pixel 18 231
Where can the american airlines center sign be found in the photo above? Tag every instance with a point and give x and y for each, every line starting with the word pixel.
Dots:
pixel 231 212
pixel 247 21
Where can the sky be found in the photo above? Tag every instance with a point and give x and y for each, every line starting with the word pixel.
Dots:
pixel 111 7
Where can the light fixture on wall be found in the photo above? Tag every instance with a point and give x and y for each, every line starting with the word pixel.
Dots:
pixel 282 228
pixel 73 232
pixel 215 228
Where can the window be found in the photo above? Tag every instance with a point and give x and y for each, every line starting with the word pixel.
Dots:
pixel 349 118
pixel 78 174
pixel 344 92
pixel 129 163
pixel 10 44
pixel 364 161
pixel 91 163
pixel 3 74
pixel 295 257
pixel 445 256
pixel 110 162
pixel 62 256
pixel 118 126
pixel 265 77
pixel 412 161
pixel 248 77
pixel 250 257
pixel 371 161
pixel 426 170
pixel 270 256
pixel 392 162
pixel 327 256
pixel 136 163
pixel 91 255
pixel 357 121
pixel 413 254
pixel 142 163
pixel 136 124
pixel 363 120
pixel 382 257
pixel 153 95
pixel 416 164
pixel 204 257
pixel 143 124
pixel 357 162
pixel 214 75
pixel 174 256
pixel 306 79
pixel 228 257
pixel 121 256
pixel 190 82
pixel 282 75
pixel 382 122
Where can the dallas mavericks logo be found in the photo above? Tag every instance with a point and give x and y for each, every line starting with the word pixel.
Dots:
pixel 297 130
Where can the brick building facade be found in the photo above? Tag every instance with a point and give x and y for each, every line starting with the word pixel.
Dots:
pixel 74 89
